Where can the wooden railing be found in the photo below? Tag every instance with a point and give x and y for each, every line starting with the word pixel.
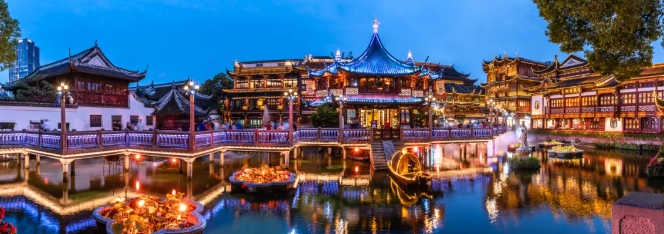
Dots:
pixel 168 140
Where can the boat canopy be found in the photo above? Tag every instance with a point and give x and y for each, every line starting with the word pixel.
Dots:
pixel 401 162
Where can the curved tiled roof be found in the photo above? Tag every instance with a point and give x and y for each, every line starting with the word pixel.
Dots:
pixel 90 61
pixel 375 60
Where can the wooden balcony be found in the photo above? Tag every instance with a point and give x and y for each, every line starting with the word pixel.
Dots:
pixel 81 144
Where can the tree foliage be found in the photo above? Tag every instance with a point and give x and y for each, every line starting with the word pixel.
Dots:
pixel 9 35
pixel 616 36
pixel 43 92
pixel 215 86
pixel 325 116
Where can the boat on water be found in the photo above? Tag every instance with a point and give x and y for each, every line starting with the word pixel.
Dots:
pixel 361 156
pixel 406 170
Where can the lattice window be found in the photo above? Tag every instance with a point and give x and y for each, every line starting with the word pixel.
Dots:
pixel 649 123
pixel 95 121
pixel 149 120
pixel 607 100
pixel 631 123
pixel 646 97
pixel 133 119
pixel 628 98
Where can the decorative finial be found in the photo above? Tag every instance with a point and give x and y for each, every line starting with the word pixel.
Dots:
pixel 517 55
pixel 95 42
pixel 556 57
pixel 337 56
pixel 410 55
pixel 504 54
pixel 375 25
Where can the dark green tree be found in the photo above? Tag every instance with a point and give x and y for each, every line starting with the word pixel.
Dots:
pixel 41 92
pixel 616 36
pixel 9 35
pixel 216 87
pixel 326 116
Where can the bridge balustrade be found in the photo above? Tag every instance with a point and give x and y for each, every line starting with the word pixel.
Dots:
pixel 180 140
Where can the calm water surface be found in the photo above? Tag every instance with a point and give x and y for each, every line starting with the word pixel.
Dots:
pixel 572 196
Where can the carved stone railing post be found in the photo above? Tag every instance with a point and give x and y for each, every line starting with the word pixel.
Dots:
pixel 318 134
pixel 255 136
pixel 155 135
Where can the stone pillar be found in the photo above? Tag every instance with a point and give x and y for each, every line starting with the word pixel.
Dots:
pixel 343 152
pixel 26 176
pixel 295 152
pixel 329 151
pixel 638 212
pixel 37 168
pixel 211 168
pixel 65 170
pixel 126 162
pixel 73 168
pixel 221 157
pixel 211 157
pixel 26 162
pixel 190 169
pixel 37 159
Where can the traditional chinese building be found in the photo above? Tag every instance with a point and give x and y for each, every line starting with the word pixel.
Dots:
pixel 93 82
pixel 572 96
pixel 261 84
pixel 171 104
pixel 379 88
pixel 506 79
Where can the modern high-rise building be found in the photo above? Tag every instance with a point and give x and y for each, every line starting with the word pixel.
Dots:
pixel 27 60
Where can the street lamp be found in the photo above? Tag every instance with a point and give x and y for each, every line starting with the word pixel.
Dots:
pixel 63 91
pixel 341 99
pixel 191 88
pixel 290 95
pixel 430 100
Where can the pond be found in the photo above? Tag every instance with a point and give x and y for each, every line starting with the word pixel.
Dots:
pixel 564 196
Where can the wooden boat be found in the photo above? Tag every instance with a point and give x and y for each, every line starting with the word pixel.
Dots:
pixel 406 169
pixel 407 196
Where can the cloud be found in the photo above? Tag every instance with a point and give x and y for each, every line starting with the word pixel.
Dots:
pixel 163 74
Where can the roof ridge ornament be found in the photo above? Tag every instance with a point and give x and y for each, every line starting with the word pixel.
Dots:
pixel 375 25
pixel 409 59
pixel 337 56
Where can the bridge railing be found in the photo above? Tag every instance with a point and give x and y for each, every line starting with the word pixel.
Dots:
pixel 204 139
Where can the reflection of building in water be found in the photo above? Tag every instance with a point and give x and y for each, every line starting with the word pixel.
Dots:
pixel 575 189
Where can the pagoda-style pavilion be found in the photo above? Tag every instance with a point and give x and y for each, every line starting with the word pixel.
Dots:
pixel 172 105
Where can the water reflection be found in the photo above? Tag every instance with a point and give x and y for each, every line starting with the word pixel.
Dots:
pixel 473 191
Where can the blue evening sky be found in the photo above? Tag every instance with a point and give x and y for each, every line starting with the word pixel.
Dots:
pixel 180 38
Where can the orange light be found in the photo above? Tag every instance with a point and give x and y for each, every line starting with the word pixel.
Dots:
pixel 173 160
pixel 183 207
pixel 357 149
pixel 173 192
pixel 357 169
pixel 137 157
pixel 415 149
pixel 138 185
pixel 141 203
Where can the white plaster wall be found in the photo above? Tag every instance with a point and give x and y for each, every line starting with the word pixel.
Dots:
pixel 534 99
pixel 78 118
pixel 608 128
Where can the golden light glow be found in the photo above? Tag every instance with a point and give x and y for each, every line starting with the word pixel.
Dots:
pixel 357 149
pixel 173 160
pixel 173 192
pixel 138 185
pixel 137 157
pixel 357 169
pixel 183 207
pixel 141 203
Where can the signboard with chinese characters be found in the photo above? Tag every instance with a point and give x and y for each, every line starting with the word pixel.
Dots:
pixel 440 87
pixel 311 90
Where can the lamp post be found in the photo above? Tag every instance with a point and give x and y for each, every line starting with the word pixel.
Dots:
pixel 191 88
pixel 430 99
pixel 290 95
pixel 63 91
pixel 341 99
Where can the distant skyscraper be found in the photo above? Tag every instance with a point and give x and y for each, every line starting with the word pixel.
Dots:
pixel 27 60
